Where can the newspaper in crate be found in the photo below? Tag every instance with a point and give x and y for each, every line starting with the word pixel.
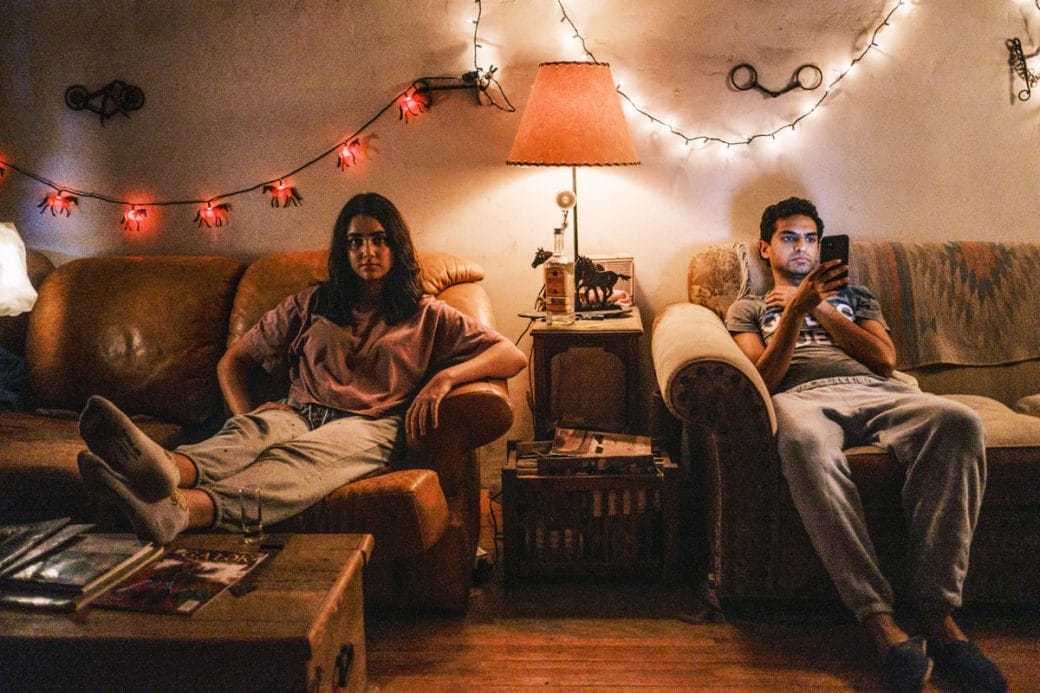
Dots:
pixel 181 581
pixel 580 451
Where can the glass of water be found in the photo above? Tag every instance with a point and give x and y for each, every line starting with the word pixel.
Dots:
pixel 250 504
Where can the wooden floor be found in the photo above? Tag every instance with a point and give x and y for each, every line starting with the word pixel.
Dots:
pixel 637 636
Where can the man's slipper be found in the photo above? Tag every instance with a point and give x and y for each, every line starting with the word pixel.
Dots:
pixel 964 665
pixel 906 666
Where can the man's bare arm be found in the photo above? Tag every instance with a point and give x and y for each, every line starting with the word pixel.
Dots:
pixel 865 340
pixel 772 360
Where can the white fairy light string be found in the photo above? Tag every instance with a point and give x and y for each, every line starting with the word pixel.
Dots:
pixel 707 139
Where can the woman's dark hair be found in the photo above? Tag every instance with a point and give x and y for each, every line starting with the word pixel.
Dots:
pixel 402 288
pixel 790 207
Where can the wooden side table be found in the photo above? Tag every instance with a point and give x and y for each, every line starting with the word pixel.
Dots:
pixel 615 335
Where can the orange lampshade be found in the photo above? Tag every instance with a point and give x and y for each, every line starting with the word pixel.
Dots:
pixel 573 118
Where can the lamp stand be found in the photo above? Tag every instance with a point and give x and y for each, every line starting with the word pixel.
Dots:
pixel 574 189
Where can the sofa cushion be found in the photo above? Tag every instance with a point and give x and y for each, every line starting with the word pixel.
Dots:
pixel 1029 405
pixel 1012 459
pixel 270 279
pixel 145 332
pixel 1012 453
pixel 1004 427
pixel 38 473
pixel 1007 383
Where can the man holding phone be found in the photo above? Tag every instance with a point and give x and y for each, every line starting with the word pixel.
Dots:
pixel 823 349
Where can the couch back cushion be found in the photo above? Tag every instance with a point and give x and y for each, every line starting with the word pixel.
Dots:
pixel 146 332
pixel 271 278
pixel 960 312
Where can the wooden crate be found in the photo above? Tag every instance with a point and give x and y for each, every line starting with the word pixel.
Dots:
pixel 588 525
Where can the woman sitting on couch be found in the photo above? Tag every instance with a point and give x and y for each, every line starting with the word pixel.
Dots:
pixel 370 358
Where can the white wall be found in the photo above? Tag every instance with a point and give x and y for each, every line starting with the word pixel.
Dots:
pixel 923 139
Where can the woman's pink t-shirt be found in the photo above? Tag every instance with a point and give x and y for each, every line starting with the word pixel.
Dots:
pixel 371 368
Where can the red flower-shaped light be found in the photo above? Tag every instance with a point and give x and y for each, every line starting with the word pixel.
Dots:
pixel 283 195
pixel 133 217
pixel 413 102
pixel 58 203
pixel 213 215
pixel 348 154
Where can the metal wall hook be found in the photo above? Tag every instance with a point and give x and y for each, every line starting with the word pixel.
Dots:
pixel 807 77
pixel 1017 61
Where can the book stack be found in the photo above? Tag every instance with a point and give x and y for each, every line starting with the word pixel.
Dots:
pixel 55 564
pixel 580 451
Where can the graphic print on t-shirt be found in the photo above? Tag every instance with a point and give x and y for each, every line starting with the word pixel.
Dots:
pixel 811 332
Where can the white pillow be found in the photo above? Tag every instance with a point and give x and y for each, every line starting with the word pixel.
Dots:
pixel 17 294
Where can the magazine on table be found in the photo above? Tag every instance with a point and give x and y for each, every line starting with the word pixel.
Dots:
pixel 76 572
pixel 579 451
pixel 577 442
pixel 16 540
pixel 181 582
pixel 52 543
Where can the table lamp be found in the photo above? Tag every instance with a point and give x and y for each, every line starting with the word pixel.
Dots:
pixel 17 294
pixel 573 118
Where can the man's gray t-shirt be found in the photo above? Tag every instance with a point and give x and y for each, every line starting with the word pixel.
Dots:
pixel 816 355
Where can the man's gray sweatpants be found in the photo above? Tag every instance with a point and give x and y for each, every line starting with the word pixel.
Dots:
pixel 940 445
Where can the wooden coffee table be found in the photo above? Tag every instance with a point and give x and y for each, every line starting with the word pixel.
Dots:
pixel 301 628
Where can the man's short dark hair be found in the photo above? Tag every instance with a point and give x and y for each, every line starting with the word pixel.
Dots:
pixel 790 207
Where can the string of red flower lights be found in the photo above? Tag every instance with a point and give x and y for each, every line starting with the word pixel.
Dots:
pixel 215 211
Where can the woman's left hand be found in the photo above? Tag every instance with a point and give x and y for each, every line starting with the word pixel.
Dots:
pixel 422 415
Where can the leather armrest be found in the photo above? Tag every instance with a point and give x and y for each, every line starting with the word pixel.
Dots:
pixel 405 511
pixel 471 415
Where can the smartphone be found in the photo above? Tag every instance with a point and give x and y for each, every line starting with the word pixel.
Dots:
pixel 835 248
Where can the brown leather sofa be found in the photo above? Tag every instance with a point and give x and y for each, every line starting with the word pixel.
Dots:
pixel 963 317
pixel 147 332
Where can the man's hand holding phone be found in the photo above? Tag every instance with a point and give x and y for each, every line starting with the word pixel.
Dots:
pixel 836 248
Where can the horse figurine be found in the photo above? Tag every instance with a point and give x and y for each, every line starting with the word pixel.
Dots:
pixel 540 256
pixel 593 284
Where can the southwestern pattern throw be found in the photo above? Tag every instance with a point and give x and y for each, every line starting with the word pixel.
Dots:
pixel 955 303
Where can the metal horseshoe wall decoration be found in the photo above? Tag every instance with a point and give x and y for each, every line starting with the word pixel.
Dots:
pixel 116 97
pixel 807 77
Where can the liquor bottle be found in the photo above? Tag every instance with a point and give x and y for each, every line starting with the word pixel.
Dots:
pixel 559 284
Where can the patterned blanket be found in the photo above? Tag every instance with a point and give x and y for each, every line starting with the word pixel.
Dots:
pixel 958 303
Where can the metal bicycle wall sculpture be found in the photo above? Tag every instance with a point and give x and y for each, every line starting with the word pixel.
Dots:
pixel 115 97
